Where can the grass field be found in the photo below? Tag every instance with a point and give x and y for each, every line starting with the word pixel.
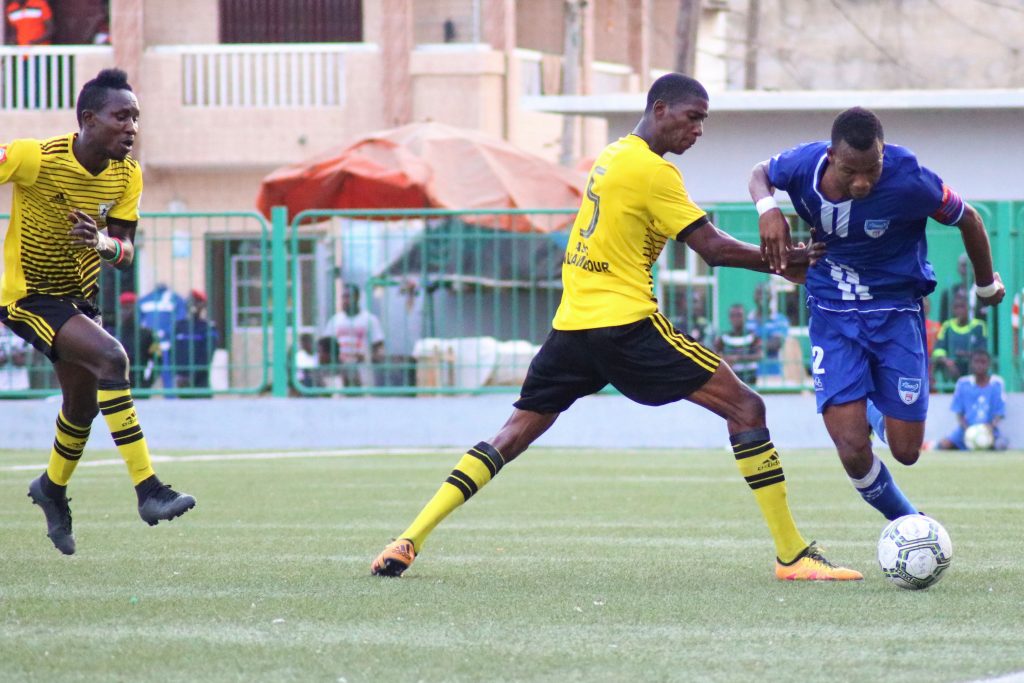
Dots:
pixel 573 566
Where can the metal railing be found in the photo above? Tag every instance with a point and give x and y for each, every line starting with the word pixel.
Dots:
pixel 461 303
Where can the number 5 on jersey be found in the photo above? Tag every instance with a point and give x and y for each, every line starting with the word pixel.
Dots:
pixel 592 196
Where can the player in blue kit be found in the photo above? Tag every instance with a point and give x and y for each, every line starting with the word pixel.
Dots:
pixel 869 203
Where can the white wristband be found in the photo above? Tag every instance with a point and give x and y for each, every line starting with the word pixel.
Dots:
pixel 765 204
pixel 988 290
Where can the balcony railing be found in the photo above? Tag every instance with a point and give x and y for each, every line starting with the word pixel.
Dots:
pixel 43 78
pixel 263 76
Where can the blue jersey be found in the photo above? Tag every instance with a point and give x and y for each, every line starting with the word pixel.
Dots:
pixel 875 247
pixel 979 404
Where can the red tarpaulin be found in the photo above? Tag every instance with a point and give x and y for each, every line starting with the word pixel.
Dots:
pixel 429 165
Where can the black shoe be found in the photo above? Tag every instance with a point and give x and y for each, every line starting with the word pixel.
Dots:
pixel 164 503
pixel 58 516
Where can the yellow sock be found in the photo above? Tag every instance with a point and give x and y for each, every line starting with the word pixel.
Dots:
pixel 118 410
pixel 478 466
pixel 67 450
pixel 759 463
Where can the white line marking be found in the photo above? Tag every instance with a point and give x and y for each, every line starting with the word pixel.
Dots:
pixel 1017 677
pixel 272 455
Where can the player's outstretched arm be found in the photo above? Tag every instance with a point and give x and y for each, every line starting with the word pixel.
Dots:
pixel 720 249
pixel 775 237
pixel 972 231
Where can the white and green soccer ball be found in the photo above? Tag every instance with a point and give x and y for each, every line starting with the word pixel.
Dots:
pixel 914 551
pixel 979 437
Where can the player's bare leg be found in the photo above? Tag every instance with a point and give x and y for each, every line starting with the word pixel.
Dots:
pixel 477 467
pixel 847 424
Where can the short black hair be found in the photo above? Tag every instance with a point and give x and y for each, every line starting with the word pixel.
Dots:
pixel 672 88
pixel 858 127
pixel 93 94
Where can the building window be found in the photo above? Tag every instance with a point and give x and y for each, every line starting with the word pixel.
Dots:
pixel 296 21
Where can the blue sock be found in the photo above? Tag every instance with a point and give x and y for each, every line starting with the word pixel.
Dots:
pixel 881 492
pixel 877 421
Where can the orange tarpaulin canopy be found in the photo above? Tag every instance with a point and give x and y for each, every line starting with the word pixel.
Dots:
pixel 428 165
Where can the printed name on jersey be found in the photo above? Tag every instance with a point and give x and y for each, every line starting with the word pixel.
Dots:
pixel 909 388
pixel 876 227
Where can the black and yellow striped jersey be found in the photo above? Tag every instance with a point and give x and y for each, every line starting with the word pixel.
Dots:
pixel 635 202
pixel 48 183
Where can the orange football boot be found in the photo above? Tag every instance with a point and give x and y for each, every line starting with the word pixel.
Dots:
pixel 811 565
pixel 394 559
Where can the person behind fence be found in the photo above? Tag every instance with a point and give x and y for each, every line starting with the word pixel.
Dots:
pixel 869 203
pixel 979 399
pixel 195 339
pixel 772 327
pixel 14 352
pixel 959 337
pixel 608 330
pixel 355 340
pixel 739 346
pixel 75 203
pixel 138 341
pixel 159 310
pixel 306 363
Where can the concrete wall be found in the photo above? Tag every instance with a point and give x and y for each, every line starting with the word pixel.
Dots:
pixel 963 146
pixel 602 421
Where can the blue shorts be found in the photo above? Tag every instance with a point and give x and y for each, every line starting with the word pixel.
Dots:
pixel 870 349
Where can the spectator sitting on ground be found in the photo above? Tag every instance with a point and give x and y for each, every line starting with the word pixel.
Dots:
pixel 978 399
pixel 958 337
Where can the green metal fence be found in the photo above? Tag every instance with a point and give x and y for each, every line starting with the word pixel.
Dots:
pixel 460 301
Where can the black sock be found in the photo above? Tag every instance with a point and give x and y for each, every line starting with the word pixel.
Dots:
pixel 146 487
pixel 52 490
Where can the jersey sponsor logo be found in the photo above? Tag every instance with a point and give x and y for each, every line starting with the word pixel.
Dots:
pixel 909 388
pixel 876 227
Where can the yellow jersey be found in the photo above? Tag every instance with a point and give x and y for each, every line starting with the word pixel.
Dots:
pixel 635 202
pixel 48 183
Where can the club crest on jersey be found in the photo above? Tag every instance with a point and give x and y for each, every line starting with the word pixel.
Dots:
pixel 909 388
pixel 104 209
pixel 876 227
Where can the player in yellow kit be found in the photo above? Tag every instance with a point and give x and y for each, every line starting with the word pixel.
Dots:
pixel 76 201
pixel 608 330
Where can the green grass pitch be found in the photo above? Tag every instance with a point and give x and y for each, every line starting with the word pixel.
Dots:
pixel 572 566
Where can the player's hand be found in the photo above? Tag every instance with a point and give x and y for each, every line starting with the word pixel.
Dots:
pixel 997 297
pixel 84 231
pixel 799 258
pixel 775 240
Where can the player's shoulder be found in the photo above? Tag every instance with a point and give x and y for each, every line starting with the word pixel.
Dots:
pixel 805 151
pixel 997 380
pixel 56 145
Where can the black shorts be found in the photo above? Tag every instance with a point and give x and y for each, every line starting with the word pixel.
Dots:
pixel 649 361
pixel 37 317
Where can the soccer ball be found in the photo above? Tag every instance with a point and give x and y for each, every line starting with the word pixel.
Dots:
pixel 979 437
pixel 914 551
